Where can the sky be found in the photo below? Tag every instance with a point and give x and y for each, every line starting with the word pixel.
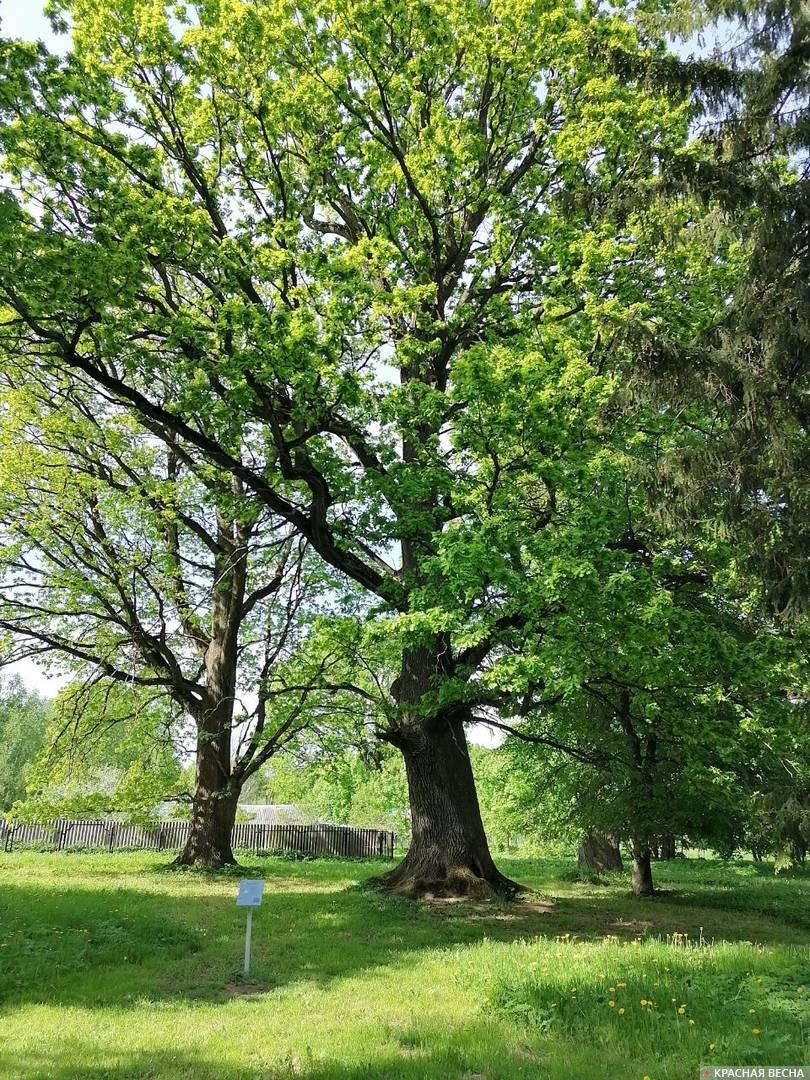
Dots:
pixel 24 19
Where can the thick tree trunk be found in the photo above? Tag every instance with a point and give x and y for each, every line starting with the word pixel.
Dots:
pixel 598 851
pixel 449 855
pixel 212 819
pixel 216 790
pixel 642 870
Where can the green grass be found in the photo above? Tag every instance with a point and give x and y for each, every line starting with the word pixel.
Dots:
pixel 112 966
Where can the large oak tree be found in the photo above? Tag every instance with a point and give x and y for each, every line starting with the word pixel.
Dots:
pixel 298 241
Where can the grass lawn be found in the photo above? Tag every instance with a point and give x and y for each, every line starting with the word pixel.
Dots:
pixel 112 966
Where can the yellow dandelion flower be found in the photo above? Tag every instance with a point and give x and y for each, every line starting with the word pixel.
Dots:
pixel 755 1031
pixel 691 1021
pixel 751 1012
pixel 643 1001
pixel 621 1012
pixel 712 1046
pixel 612 1004
pixel 611 989
pixel 621 985
pixel 681 1011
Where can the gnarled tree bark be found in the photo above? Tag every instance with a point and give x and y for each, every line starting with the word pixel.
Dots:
pixel 449 854
pixel 215 795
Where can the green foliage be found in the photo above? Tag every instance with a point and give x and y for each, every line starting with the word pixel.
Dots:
pixel 446 194
pixel 517 816
pixel 24 717
pixel 110 750
pixel 743 379
pixel 350 787
pixel 375 277
pixel 655 700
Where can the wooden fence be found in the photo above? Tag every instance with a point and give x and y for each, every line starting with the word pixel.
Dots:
pixel 341 840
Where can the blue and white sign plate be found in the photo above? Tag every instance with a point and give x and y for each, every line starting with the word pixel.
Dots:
pixel 250 892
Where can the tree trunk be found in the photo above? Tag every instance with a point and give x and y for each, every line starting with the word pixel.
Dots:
pixel 642 870
pixel 212 819
pixel 667 848
pixel 215 794
pixel 598 851
pixel 449 855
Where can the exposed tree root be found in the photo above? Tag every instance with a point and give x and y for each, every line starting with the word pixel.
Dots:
pixel 428 881
pixel 207 861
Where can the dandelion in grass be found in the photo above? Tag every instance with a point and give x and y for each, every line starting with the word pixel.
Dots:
pixel 621 1012
pixel 612 1004
pixel 755 1031
pixel 681 1011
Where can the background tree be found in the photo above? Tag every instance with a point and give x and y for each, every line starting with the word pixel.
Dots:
pixel 109 749
pixel 120 562
pixel 655 694
pixel 24 718
pixel 742 379
pixel 353 787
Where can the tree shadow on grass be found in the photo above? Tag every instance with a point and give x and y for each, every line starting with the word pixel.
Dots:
pixel 445 1060
pixel 477 1050
pixel 69 944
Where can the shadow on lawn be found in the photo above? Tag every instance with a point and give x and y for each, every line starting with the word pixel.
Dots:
pixel 467 1052
pixel 64 945
pixel 152 1066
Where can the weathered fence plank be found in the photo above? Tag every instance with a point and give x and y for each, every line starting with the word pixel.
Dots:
pixel 343 841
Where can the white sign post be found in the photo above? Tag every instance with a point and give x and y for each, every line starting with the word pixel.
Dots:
pixel 249 896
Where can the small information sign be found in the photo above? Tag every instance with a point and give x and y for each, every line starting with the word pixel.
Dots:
pixel 250 893
pixel 249 896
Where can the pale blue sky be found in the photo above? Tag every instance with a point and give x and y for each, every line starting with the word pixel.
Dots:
pixel 24 19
